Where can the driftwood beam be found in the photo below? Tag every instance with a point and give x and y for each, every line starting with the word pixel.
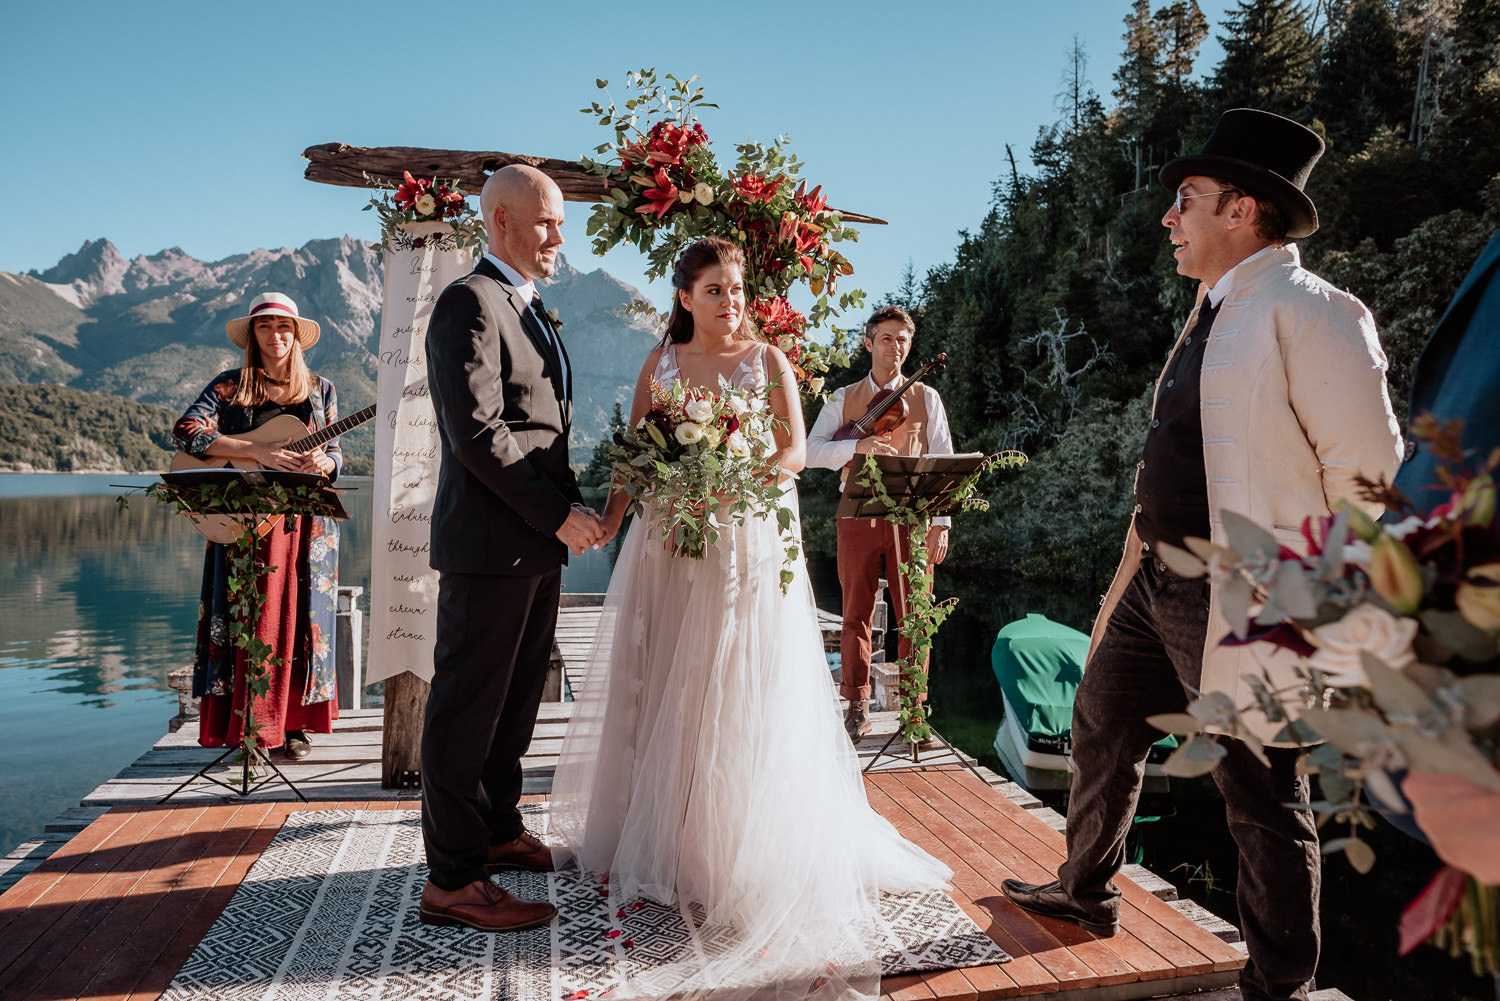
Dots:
pixel 381 166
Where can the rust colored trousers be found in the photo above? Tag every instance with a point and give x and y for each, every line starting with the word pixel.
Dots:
pixel 869 548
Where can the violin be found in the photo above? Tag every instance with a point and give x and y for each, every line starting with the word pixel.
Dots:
pixel 887 410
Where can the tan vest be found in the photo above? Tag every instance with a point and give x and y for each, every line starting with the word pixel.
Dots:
pixel 910 438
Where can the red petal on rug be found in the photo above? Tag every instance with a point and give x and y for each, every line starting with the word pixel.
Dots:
pixel 620 913
pixel 578 995
pixel 628 943
pixel 612 933
pixel 1431 908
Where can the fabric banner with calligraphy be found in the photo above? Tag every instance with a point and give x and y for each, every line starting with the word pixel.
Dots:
pixel 420 261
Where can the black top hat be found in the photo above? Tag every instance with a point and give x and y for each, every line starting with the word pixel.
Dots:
pixel 1270 155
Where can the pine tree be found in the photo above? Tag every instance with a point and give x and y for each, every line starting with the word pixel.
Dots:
pixel 1269 56
pixel 1137 85
pixel 1180 30
pixel 1360 88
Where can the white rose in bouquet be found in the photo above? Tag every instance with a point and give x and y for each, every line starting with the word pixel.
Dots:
pixel 738 445
pixel 785 342
pixel 739 406
pixel 689 433
pixel 1365 628
pixel 699 410
pixel 713 435
pixel 425 204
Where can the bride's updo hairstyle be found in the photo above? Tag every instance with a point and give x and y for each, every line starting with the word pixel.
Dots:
pixel 691 263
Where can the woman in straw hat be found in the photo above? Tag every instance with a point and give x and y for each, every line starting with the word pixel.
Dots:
pixel 298 618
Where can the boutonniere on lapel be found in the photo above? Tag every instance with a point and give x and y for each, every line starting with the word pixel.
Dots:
pixel 556 320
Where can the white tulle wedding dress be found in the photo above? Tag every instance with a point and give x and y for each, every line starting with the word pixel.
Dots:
pixel 705 767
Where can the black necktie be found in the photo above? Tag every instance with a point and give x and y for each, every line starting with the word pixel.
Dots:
pixel 553 341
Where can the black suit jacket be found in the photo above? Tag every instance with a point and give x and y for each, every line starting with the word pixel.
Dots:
pixel 503 412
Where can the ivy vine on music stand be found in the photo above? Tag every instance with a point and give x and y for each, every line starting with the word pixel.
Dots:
pixel 928 488
pixel 249 498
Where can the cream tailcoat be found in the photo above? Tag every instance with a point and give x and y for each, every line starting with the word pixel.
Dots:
pixel 1294 406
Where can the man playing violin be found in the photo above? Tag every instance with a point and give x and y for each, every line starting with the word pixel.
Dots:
pixel 870 548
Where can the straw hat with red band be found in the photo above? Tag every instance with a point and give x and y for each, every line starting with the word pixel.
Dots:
pixel 272 304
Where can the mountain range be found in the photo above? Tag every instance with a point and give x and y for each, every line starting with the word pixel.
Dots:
pixel 151 328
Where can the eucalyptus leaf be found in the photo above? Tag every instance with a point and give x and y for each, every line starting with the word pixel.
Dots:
pixel 1234 601
pixel 1253 542
pixel 1361 856
pixel 1290 591
pixel 1453 754
pixel 1481 698
pixel 1184 764
pixel 1394 692
pixel 1181 724
pixel 1460 635
pixel 1181 562
pixel 1350 730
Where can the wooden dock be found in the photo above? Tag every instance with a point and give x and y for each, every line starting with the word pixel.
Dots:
pixel 111 903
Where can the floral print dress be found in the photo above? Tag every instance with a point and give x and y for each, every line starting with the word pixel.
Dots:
pixel 298 619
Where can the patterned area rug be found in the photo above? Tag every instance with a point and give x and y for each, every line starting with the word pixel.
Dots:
pixel 329 911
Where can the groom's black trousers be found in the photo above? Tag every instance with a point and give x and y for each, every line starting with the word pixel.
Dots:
pixel 494 640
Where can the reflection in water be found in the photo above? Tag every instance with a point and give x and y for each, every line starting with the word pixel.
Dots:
pixel 97 606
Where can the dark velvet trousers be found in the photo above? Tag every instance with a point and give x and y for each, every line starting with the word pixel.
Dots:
pixel 494 641
pixel 1149 661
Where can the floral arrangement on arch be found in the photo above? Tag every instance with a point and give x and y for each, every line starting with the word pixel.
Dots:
pixel 702 460
pixel 666 189
pixel 1398 631
pixel 422 199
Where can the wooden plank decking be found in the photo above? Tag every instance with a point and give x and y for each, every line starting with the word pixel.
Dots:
pixel 114 912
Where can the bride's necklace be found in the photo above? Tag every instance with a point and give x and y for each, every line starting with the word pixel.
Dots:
pixel 275 382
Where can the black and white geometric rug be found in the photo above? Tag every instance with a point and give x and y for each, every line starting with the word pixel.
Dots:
pixel 329 911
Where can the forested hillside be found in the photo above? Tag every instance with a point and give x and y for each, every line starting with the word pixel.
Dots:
pixel 58 428
pixel 1062 303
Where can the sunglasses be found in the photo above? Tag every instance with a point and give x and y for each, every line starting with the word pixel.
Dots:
pixel 1180 197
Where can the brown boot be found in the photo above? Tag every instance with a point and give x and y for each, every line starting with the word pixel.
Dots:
pixel 857 719
pixel 483 906
pixel 526 852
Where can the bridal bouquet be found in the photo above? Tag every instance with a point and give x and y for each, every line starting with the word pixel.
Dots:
pixel 703 460
pixel 1398 628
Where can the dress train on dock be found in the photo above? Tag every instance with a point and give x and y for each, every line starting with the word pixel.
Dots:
pixel 705 766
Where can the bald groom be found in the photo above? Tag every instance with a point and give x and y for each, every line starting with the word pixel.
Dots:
pixel 506 514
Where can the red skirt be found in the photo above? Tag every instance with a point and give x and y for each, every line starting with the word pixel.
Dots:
pixel 285 629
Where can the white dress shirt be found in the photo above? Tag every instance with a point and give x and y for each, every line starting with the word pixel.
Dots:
pixel 825 453
pixel 527 289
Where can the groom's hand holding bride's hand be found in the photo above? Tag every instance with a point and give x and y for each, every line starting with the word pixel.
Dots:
pixel 582 531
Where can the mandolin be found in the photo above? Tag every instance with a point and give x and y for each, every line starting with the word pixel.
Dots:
pixel 887 410
pixel 225 528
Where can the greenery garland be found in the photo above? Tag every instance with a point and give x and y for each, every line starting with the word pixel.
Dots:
pixel 249 505
pixel 924 614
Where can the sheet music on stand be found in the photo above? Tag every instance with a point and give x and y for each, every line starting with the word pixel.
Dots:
pixel 908 478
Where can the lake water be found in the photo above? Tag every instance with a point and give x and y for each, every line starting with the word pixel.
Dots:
pixel 97 605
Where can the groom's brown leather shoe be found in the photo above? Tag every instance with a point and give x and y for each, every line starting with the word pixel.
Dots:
pixel 483 906
pixel 526 852
pixel 1050 900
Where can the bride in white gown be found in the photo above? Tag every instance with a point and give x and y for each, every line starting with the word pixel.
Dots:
pixel 704 764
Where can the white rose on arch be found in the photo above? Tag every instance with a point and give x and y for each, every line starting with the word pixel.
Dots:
pixel 689 433
pixel 703 193
pixel 1366 629
pixel 699 410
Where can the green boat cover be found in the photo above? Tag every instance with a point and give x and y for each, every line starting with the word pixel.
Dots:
pixel 1039 664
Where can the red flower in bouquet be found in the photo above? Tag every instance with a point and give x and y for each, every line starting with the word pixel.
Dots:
pixel 661 198
pixel 754 188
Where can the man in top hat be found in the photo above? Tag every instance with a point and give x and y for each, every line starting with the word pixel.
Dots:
pixel 1272 403
pixel 506 513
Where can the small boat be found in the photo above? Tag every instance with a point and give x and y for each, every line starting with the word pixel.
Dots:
pixel 1039 664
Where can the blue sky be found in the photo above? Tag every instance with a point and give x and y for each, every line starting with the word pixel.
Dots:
pixel 160 124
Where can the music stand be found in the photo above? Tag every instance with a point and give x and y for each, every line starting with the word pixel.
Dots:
pixel 249 518
pixel 926 484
